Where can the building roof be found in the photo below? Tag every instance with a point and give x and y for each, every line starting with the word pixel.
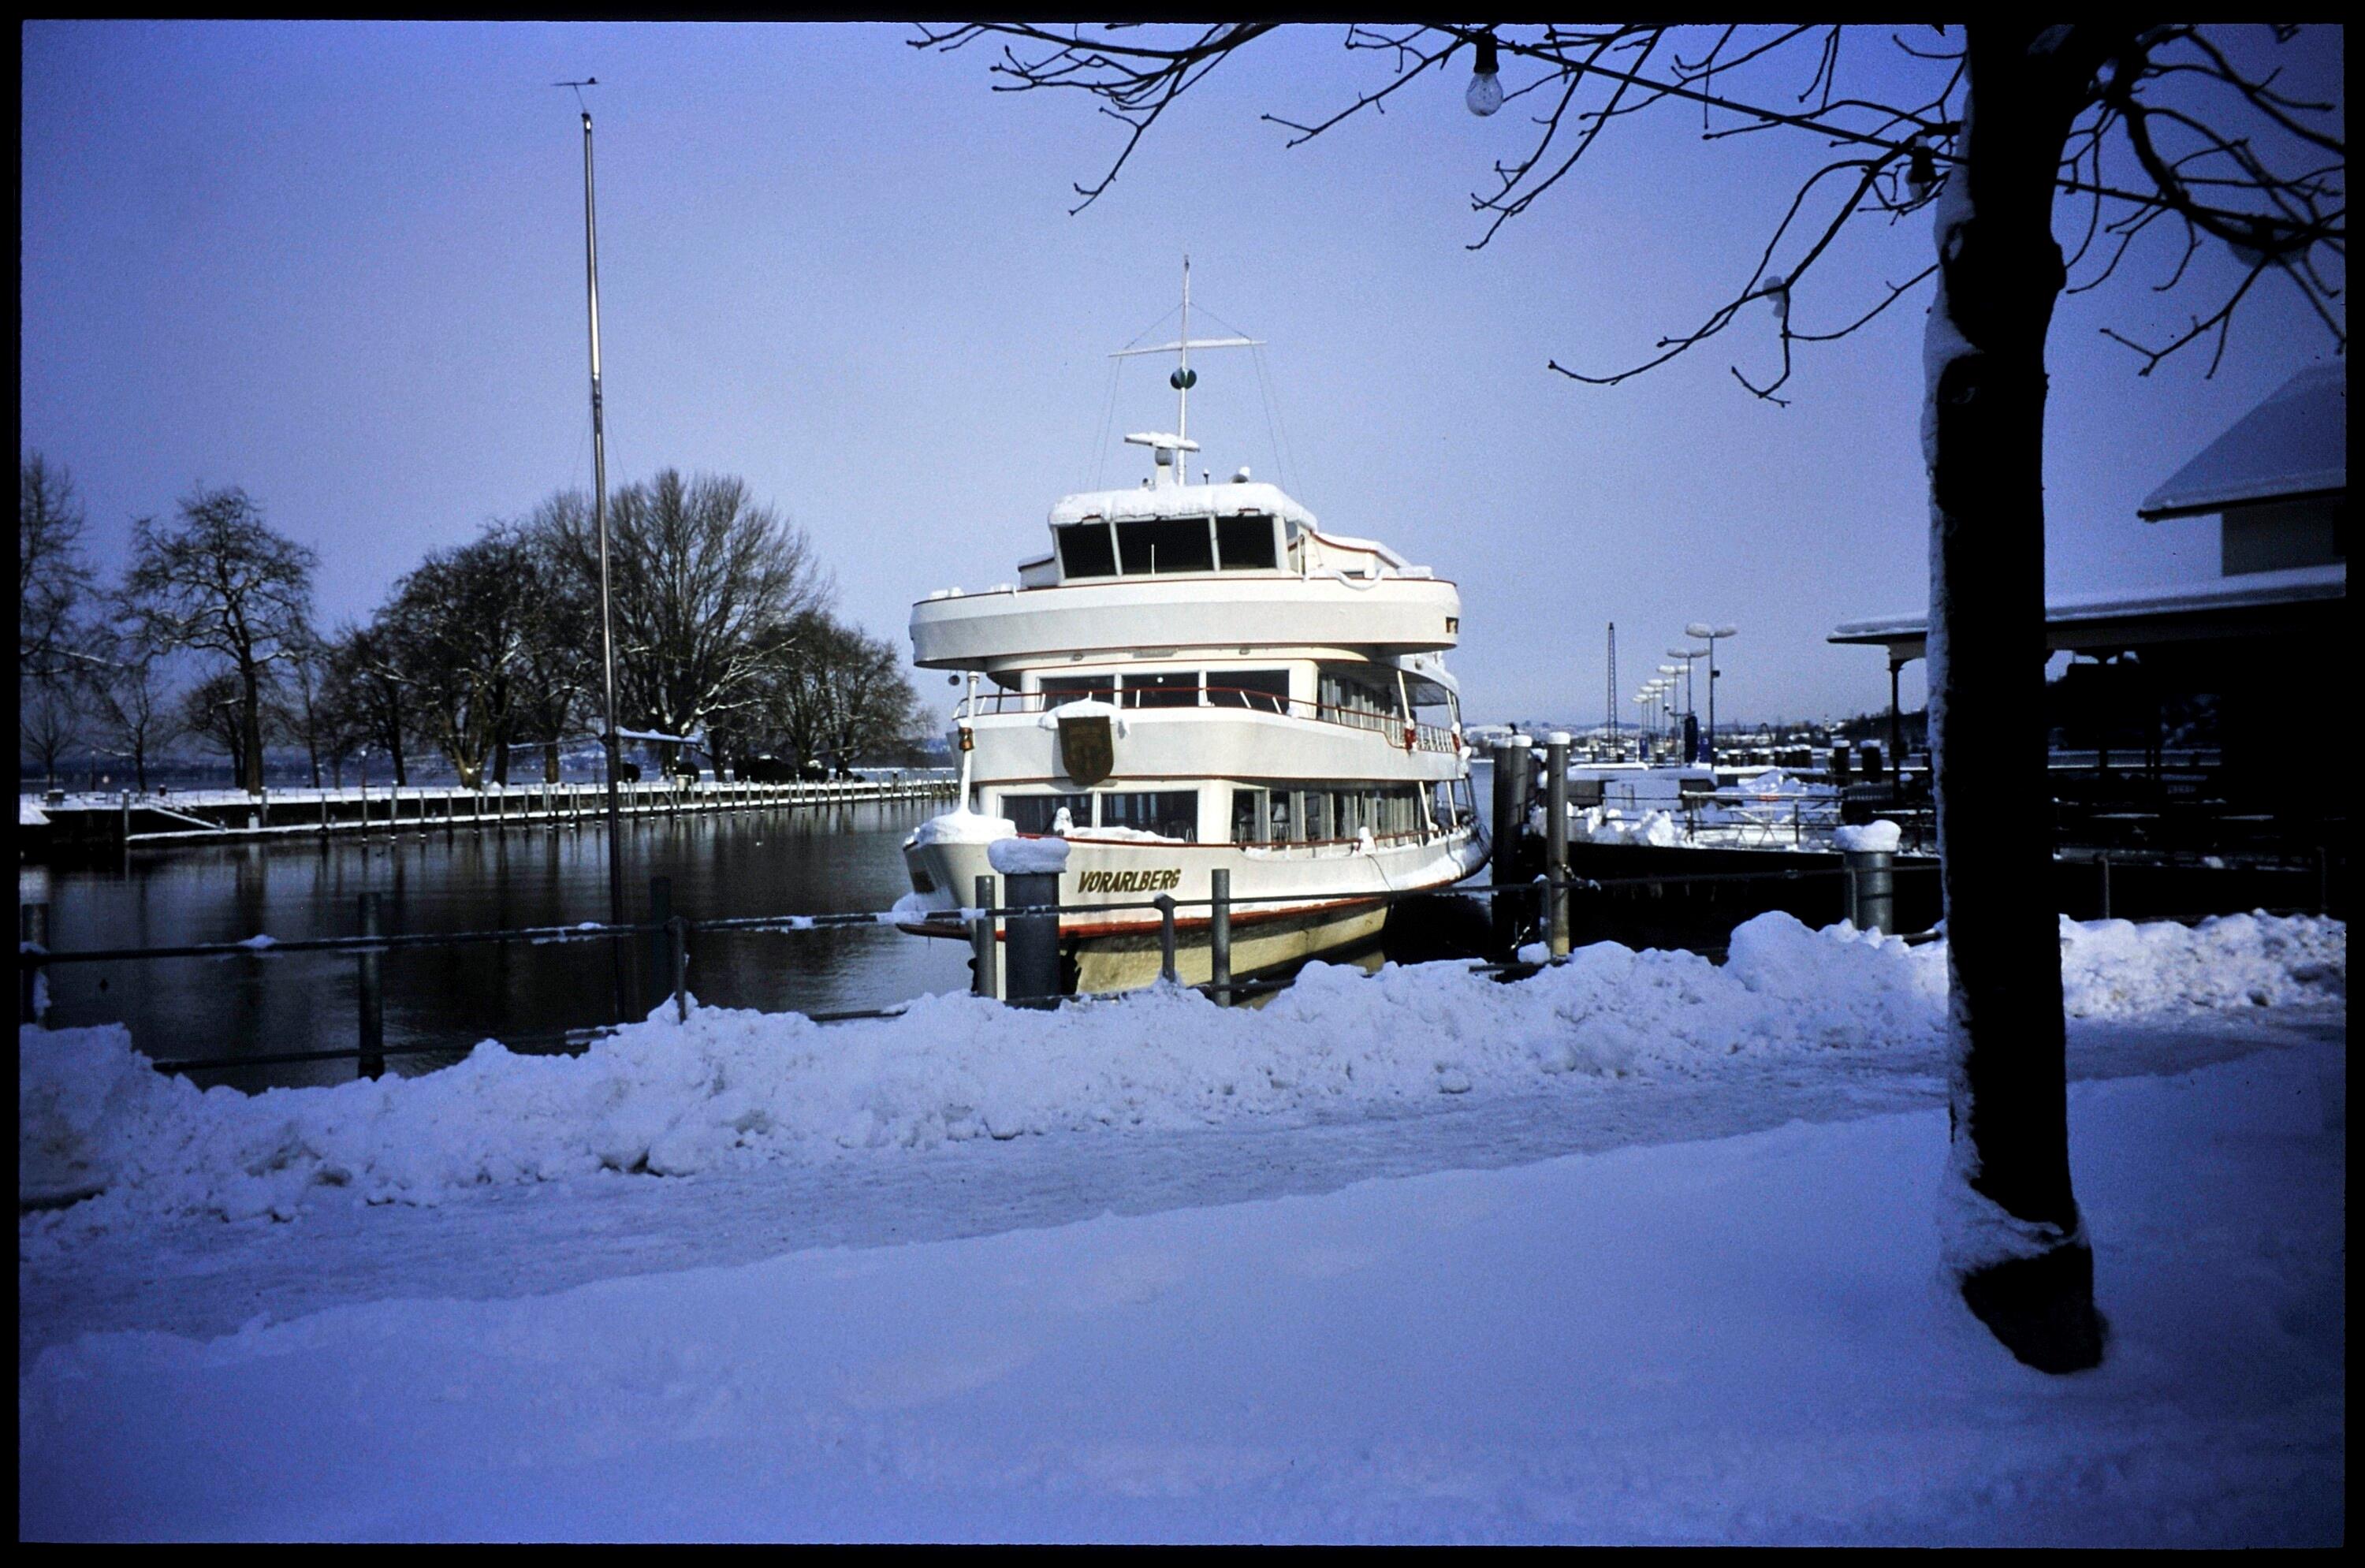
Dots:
pixel 2138 615
pixel 2295 443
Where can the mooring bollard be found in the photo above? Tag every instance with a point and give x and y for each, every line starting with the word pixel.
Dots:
pixel 1030 871
pixel 1510 823
pixel 1556 838
pixel 33 932
pixel 1868 859
pixel 371 998
pixel 981 941
pixel 1167 973
pixel 677 929
pixel 1219 934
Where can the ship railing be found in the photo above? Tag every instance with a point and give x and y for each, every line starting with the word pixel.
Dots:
pixel 1411 734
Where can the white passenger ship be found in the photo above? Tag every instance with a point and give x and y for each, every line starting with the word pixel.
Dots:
pixel 1195 677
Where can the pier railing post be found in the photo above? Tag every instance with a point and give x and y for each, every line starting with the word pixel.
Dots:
pixel 1556 838
pixel 32 931
pixel 1511 818
pixel 981 942
pixel 1219 934
pixel 1167 973
pixel 660 917
pixel 1871 887
pixel 372 1063
pixel 2103 861
pixel 677 934
pixel 1033 940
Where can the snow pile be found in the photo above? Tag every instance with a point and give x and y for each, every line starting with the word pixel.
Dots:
pixel 1607 824
pixel 1880 837
pixel 733 1087
pixel 2116 969
pixel 963 827
pixel 1028 857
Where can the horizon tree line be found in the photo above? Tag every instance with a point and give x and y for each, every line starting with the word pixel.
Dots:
pixel 727 643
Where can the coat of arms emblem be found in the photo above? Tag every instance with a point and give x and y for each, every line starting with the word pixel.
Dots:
pixel 1087 751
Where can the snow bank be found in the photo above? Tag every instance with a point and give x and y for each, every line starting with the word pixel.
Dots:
pixel 1028 857
pixel 732 1087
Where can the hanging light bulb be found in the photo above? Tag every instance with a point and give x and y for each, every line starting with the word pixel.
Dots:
pixel 1777 294
pixel 1485 94
pixel 1921 170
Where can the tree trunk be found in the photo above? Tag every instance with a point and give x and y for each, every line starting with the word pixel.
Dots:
pixel 550 762
pixel 2014 1240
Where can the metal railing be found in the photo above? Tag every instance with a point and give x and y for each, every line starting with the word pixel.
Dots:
pixel 989 922
pixel 1201 698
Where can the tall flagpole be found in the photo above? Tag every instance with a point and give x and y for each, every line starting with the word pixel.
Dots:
pixel 599 519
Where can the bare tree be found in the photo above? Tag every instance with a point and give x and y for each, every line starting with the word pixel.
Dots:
pixel 49 724
pixel 225 582
pixel 370 688
pixel 2143 130
pixel 304 705
pixel 461 620
pixel 53 578
pixel 701 580
pixel 137 703
pixel 215 711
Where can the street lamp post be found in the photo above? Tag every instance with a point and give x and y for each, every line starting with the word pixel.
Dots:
pixel 1687 655
pixel 1702 629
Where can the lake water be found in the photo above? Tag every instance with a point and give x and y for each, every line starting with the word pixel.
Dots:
pixel 753 863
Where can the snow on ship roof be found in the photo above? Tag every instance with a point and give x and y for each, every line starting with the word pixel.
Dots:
pixel 2294 443
pixel 1180 501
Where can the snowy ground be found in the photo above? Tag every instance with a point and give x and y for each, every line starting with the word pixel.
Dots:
pixel 1639 1251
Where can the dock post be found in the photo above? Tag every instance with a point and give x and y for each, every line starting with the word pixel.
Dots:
pixel 32 931
pixel 1871 888
pixel 372 1063
pixel 660 918
pixel 2104 862
pixel 1167 973
pixel 1511 827
pixel 127 817
pixel 324 811
pixel 1219 934
pixel 677 933
pixel 981 942
pixel 1033 940
pixel 1847 891
pixel 1556 838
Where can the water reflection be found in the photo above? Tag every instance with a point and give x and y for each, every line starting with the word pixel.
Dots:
pixel 751 863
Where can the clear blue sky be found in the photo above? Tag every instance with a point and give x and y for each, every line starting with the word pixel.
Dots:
pixel 340 265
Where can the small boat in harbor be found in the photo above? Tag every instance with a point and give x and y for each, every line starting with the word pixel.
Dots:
pixel 1197 678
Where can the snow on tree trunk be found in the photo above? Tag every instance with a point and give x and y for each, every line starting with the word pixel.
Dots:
pixel 2014 1238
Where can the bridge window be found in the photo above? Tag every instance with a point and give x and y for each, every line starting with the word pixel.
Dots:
pixel 1085 550
pixel 1245 543
pixel 1167 544
pixel 1060 690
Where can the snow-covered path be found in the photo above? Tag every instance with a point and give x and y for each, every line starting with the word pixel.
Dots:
pixel 1741 1340
pixel 502 1241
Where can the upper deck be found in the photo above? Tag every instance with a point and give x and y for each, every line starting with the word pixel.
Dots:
pixel 1182 566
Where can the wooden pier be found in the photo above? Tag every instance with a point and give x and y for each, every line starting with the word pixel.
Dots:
pixel 85 823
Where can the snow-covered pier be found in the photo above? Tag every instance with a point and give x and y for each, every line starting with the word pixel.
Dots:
pixel 99 821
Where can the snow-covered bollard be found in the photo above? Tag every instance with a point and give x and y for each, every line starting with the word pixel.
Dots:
pixel 1869 853
pixel 1030 868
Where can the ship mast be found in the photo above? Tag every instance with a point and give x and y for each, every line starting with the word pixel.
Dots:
pixel 1183 379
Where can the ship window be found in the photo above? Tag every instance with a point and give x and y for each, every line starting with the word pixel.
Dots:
pixel 1175 545
pixel 1248 820
pixel 1317 815
pixel 1267 691
pixel 1245 543
pixel 1059 690
pixel 1035 814
pixel 1284 819
pixel 1170 813
pixel 1162 688
pixel 1085 550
